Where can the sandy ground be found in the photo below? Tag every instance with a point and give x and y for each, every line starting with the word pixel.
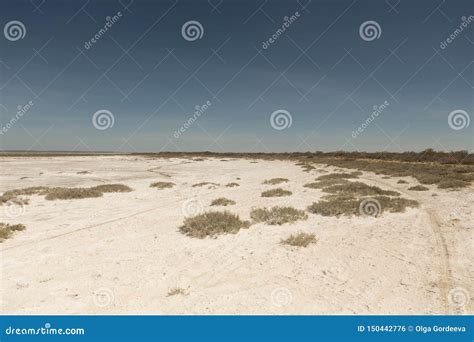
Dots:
pixel 122 253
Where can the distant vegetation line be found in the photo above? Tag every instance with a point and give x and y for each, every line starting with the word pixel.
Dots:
pixel 428 155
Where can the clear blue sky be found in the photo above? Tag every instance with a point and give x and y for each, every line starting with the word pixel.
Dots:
pixel 319 70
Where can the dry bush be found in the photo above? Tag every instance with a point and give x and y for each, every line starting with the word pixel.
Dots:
pixel 177 291
pixel 345 205
pixel 212 223
pixel 112 188
pixel 83 172
pixel 7 230
pixel 277 215
pixel 162 185
pixel 222 201
pixel 231 185
pixel 197 185
pixel 60 193
pixel 299 240
pixel 275 181
pixel 72 193
pixel 326 183
pixel 279 192
pixel 307 167
pixel 359 189
pixel 452 184
pixel 418 188
pixel 401 181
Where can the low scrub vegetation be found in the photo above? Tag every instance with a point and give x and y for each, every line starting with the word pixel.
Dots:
pixel 112 188
pixel 175 291
pixel 277 215
pixel 418 188
pixel 232 185
pixel 299 240
pixel 7 230
pixel 222 201
pixel 60 193
pixel 212 224
pixel 320 184
pixel 343 205
pixel 279 192
pixel 275 181
pixel 402 181
pixel 162 185
pixel 359 189
pixel 198 185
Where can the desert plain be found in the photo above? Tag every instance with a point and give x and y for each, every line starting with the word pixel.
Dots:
pixel 125 253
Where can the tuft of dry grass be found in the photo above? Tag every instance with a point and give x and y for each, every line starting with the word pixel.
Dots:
pixel 452 184
pixel 359 189
pixel 344 205
pixel 418 188
pixel 277 215
pixel 231 185
pixel 212 223
pixel 162 185
pixel 106 188
pixel 83 172
pixel 72 193
pixel 275 181
pixel 402 181
pixel 326 183
pixel 299 240
pixel 197 185
pixel 222 201
pixel 279 192
pixel 60 193
pixel 307 167
pixel 7 230
pixel 175 291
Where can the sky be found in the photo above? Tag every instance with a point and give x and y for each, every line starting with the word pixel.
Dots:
pixel 224 75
